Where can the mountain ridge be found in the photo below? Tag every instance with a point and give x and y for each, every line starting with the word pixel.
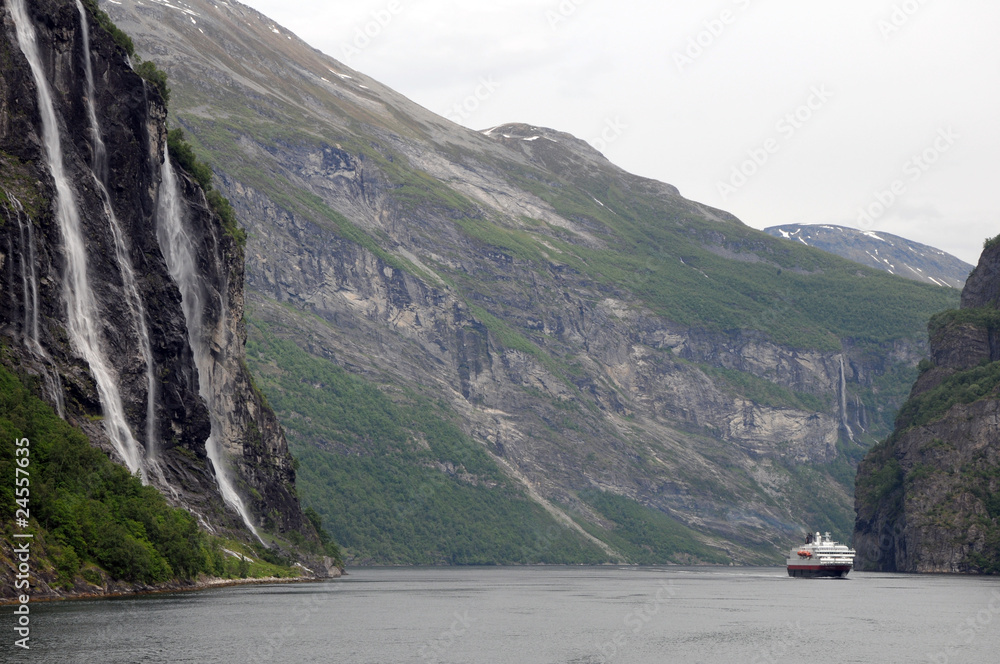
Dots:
pixel 586 328
pixel 885 251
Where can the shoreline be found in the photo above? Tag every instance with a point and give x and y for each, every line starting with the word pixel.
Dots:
pixel 170 587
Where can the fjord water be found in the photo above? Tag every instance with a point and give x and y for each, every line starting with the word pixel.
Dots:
pixel 580 615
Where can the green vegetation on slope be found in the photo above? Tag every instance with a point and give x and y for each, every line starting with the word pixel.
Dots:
pixel 103 20
pixel 762 391
pixel 646 536
pixel 986 318
pixel 724 275
pixel 982 382
pixel 184 155
pixel 396 481
pixel 92 519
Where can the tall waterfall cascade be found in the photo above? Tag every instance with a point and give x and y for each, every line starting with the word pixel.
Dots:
pixel 133 299
pixel 82 311
pixel 180 252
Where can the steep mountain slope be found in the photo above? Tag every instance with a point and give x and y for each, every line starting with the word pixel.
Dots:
pixel 883 251
pixel 928 498
pixel 599 336
pixel 94 313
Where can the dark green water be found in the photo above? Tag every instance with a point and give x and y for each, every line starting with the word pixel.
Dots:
pixel 543 615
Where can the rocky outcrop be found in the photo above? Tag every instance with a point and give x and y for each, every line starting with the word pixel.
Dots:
pixel 113 171
pixel 927 497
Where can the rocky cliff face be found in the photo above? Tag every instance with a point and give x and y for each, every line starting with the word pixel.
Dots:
pixel 592 329
pixel 89 306
pixel 927 497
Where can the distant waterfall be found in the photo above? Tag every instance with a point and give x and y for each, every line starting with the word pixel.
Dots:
pixel 29 297
pixel 132 297
pixel 81 305
pixel 843 402
pixel 29 275
pixel 180 252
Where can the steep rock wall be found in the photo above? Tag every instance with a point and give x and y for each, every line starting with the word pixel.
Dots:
pixel 926 498
pixel 32 266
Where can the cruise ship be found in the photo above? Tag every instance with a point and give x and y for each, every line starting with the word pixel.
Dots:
pixel 820 556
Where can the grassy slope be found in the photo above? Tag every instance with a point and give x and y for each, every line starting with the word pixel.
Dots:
pixel 92 521
pixel 407 486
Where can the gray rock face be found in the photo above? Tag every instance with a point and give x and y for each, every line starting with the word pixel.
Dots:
pixel 133 126
pixel 455 263
pixel 883 251
pixel 926 498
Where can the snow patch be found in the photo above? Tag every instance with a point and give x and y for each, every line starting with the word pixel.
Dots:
pixel 873 236
pixel 185 10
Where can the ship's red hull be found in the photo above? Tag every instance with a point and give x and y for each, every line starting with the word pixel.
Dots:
pixel 819 571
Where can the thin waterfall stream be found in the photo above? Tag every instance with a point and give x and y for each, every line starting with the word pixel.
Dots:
pixel 180 252
pixel 843 402
pixel 29 285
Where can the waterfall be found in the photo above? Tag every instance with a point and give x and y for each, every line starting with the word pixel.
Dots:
pixel 96 141
pixel 29 275
pixel 29 288
pixel 132 298
pixel 843 402
pixel 180 252
pixel 81 305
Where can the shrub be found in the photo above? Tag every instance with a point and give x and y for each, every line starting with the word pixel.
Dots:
pixel 157 77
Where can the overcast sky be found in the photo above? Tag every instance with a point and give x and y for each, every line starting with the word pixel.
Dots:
pixel 878 114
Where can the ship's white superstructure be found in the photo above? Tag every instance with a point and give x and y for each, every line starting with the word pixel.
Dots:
pixel 820 556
